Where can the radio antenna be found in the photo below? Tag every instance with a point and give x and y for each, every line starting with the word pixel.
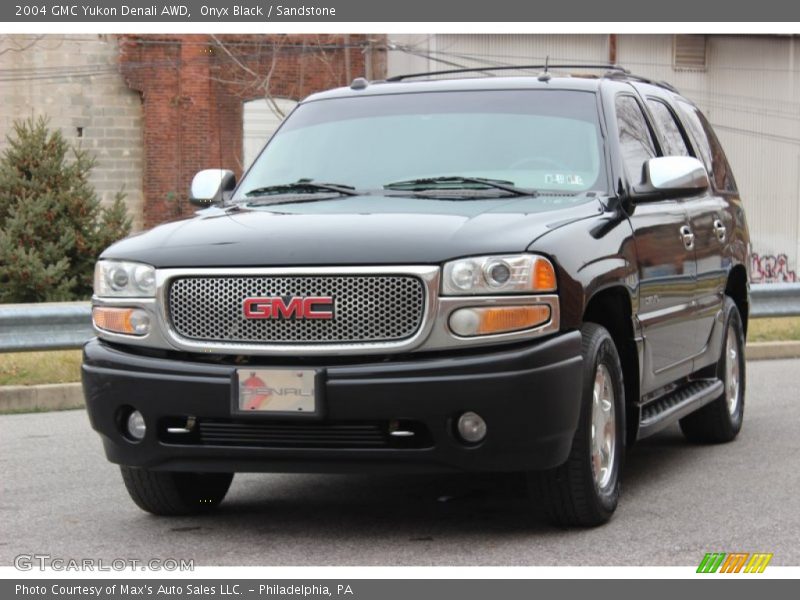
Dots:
pixel 545 75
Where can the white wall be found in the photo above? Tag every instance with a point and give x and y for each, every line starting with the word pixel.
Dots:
pixel 749 94
pixel 259 122
pixel 478 50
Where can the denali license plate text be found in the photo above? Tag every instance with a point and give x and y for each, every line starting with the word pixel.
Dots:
pixel 277 390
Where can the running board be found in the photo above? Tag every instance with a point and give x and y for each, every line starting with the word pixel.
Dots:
pixel 666 410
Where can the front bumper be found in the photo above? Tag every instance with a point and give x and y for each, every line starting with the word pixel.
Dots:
pixel 528 395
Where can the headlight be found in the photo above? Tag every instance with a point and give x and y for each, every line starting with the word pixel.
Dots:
pixel 487 275
pixel 116 278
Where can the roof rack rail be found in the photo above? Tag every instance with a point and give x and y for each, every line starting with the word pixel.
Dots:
pixel 612 68
pixel 640 79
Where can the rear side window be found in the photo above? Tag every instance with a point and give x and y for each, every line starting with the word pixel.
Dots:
pixel 674 144
pixel 636 143
pixel 709 149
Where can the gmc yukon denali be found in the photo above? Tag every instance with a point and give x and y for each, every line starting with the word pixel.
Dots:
pixel 517 274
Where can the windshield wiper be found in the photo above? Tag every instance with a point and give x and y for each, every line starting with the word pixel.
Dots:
pixel 453 181
pixel 302 186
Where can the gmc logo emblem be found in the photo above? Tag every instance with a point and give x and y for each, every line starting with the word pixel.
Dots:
pixel 289 307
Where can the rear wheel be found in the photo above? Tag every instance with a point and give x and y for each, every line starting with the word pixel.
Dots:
pixel 584 491
pixel 721 420
pixel 170 493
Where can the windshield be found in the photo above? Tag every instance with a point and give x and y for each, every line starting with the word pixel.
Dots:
pixel 534 139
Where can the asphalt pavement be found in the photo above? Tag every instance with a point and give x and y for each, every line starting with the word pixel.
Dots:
pixel 60 497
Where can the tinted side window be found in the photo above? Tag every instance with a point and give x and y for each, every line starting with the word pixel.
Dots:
pixel 674 144
pixel 636 144
pixel 709 148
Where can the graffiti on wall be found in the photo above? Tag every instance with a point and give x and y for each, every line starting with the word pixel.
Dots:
pixel 770 268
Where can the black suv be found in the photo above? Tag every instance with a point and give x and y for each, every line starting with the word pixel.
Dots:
pixel 479 274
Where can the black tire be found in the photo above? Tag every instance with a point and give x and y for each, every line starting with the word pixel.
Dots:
pixel 569 494
pixel 716 422
pixel 167 493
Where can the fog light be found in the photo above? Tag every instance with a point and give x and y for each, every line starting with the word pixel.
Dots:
pixel 471 427
pixel 131 321
pixel 465 321
pixel 139 322
pixel 136 426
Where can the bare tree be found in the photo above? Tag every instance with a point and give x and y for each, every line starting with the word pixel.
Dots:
pixel 253 65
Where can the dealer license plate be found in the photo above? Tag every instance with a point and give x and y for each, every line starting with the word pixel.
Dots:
pixel 277 390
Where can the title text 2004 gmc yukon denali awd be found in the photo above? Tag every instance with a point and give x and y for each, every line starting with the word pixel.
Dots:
pixel 482 274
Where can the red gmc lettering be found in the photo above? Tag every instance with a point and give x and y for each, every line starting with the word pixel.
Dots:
pixel 286 310
pixel 312 307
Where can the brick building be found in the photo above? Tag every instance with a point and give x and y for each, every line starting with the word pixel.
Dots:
pixel 154 109
pixel 193 89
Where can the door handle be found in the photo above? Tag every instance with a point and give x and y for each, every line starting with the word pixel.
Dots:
pixel 720 230
pixel 688 237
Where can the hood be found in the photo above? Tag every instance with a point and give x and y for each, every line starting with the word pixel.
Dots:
pixel 353 230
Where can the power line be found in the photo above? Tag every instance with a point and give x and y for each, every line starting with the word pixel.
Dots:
pixel 16 74
pixel 762 134
pixel 56 74
pixel 183 40
pixel 529 57
pixel 752 105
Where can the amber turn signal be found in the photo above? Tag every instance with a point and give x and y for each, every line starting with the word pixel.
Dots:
pixel 544 276
pixel 129 321
pixel 474 321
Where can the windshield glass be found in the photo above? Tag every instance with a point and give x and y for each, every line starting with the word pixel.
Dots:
pixel 533 139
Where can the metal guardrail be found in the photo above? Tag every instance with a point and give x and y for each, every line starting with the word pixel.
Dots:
pixel 46 326
pixel 63 325
pixel 775 300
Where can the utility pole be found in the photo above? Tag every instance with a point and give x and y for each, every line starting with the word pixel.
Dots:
pixel 348 75
pixel 612 48
pixel 368 59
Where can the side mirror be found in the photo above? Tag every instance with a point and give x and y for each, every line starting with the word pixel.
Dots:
pixel 210 186
pixel 671 177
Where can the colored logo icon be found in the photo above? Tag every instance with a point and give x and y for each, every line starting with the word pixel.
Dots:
pixel 734 562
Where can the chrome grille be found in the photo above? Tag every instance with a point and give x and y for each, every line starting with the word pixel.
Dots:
pixel 367 308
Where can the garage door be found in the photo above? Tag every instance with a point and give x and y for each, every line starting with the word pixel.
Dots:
pixel 260 122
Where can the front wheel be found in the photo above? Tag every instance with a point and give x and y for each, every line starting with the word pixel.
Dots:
pixel 584 491
pixel 168 493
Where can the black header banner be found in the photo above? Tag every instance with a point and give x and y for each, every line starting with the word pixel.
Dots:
pixel 450 11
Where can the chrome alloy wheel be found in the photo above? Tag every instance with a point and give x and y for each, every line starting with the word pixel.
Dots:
pixel 604 429
pixel 732 371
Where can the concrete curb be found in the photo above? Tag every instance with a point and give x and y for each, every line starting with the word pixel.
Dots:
pixel 53 396
pixel 60 396
pixel 772 350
